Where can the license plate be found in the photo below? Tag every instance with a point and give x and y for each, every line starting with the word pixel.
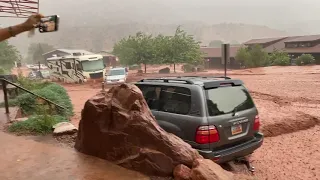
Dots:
pixel 237 129
pixel 114 80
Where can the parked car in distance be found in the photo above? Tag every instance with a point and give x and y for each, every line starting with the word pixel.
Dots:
pixel 215 115
pixel 116 75
pixel 42 74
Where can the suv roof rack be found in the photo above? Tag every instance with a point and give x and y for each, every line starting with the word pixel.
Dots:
pixel 167 80
pixel 224 77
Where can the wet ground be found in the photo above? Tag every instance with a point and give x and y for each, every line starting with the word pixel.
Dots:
pixel 22 158
pixel 288 100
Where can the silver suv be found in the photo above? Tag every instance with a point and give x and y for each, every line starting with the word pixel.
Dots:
pixel 215 115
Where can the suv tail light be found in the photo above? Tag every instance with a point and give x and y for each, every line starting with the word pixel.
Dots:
pixel 256 124
pixel 207 134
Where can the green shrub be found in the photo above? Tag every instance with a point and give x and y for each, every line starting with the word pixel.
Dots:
pixel 284 61
pixel 38 124
pixel 305 59
pixel 31 84
pixel 52 92
pixel 2 71
pixel 279 58
pixel 11 102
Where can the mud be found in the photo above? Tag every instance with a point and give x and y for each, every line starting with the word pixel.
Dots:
pixel 288 100
pixel 291 156
pixel 23 158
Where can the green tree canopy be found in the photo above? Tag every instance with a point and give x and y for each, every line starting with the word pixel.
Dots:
pixel 138 49
pixel 252 56
pixel 180 48
pixel 215 43
pixel 36 50
pixel 242 55
pixel 8 56
pixel 146 49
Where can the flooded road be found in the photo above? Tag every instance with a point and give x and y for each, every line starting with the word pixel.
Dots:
pixel 26 159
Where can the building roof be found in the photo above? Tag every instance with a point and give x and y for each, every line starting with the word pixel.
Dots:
pixel 216 52
pixel 71 51
pixel 279 45
pixel 263 40
pixel 305 38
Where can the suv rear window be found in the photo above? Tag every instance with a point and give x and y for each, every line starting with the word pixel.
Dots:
pixel 227 99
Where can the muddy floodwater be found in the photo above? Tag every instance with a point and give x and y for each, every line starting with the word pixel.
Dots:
pixel 288 101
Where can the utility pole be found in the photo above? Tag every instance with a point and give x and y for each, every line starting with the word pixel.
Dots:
pixel 225 56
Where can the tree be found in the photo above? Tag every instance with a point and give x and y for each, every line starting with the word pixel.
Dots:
pixel 138 49
pixel 180 48
pixel 215 43
pixel 36 50
pixel 8 56
pixel 305 59
pixel 258 57
pixel 279 58
pixel 242 55
pixel 252 56
pixel 146 49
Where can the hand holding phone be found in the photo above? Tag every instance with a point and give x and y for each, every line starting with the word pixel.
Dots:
pixel 49 24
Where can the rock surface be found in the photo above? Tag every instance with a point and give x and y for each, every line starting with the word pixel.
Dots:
pixel 64 128
pixel 118 126
pixel 205 169
pixel 182 172
pixel 164 71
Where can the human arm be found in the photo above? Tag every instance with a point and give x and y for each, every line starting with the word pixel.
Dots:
pixel 28 25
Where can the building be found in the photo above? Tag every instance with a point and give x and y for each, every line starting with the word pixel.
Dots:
pixel 65 52
pixel 295 46
pixel 109 59
pixel 213 60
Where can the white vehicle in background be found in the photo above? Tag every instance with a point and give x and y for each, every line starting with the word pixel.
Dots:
pixel 116 75
pixel 36 66
pixel 76 68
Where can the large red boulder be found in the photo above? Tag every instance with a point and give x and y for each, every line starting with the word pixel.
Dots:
pixel 182 172
pixel 118 126
pixel 205 169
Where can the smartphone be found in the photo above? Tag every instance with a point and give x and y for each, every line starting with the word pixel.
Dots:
pixel 49 24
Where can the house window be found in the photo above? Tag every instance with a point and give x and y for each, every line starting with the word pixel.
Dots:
pixel 291 45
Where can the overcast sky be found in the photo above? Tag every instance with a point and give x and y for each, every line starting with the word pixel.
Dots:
pixel 291 16
pixel 273 13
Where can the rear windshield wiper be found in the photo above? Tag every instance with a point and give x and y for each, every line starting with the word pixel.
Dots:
pixel 234 111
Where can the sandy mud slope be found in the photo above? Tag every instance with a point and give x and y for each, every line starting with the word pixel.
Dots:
pixel 294 156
